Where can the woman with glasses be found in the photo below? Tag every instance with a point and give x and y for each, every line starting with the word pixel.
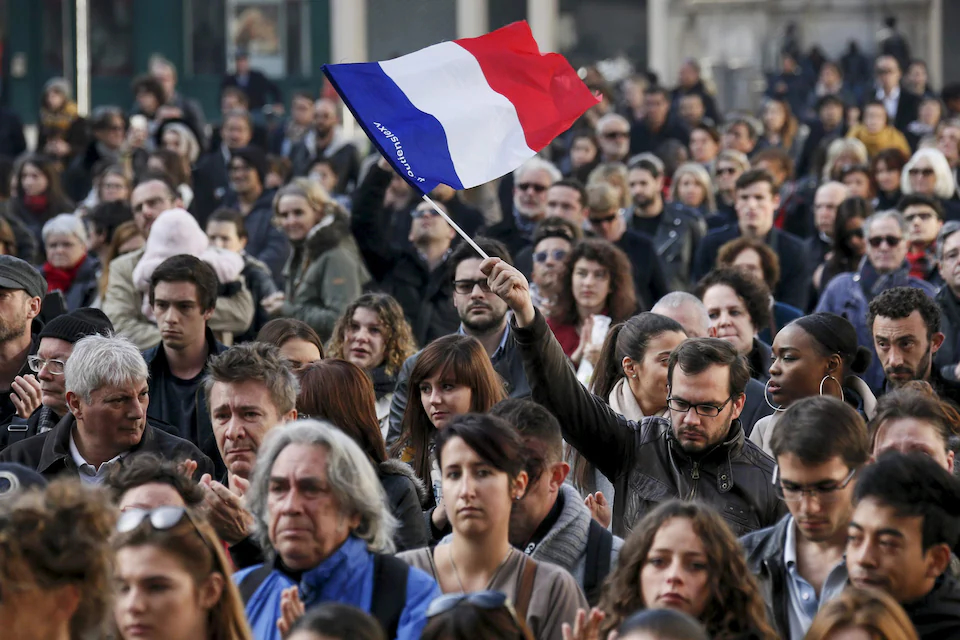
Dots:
pixel 173 579
pixel 729 166
pixel 340 392
pixel 552 243
pixel 297 341
pixel 324 272
pixel 454 376
pixel 849 244
pixel 374 334
pixel 886 168
pixel 465 616
pixel 862 613
pixel 817 354
pixel 928 173
pixel 915 419
pixel 55 563
pixel 113 185
pixel 482 462
pixel 683 556
pixel 597 280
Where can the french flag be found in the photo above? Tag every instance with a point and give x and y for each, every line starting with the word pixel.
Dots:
pixel 464 112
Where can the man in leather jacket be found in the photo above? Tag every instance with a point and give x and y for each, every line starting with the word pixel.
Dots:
pixel 698 453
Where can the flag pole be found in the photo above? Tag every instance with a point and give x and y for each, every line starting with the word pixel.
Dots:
pixel 455 226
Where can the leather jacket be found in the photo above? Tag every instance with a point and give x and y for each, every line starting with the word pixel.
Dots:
pixel 678 234
pixel 644 461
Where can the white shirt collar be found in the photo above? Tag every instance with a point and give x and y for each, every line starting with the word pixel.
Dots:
pixel 88 473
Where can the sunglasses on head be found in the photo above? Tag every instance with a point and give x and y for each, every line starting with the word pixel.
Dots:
pixel 877 241
pixel 487 600
pixel 161 519
pixel 556 254
pixel 526 186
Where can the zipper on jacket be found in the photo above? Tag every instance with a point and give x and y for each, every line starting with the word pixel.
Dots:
pixel 695 474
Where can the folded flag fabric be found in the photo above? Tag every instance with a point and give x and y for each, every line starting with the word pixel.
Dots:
pixel 464 112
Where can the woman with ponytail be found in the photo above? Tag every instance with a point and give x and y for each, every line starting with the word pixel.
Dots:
pixel 817 354
pixel 631 374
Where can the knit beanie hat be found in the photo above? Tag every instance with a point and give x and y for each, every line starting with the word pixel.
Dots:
pixel 71 327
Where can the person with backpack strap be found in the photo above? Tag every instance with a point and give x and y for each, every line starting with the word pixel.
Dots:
pixel 551 523
pixel 482 463
pixel 329 535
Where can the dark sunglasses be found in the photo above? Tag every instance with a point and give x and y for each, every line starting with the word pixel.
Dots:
pixel 926 173
pixel 526 186
pixel 855 233
pixel 487 600
pixel 877 241
pixel 922 216
pixel 726 170
pixel 604 220
pixel 556 254
pixel 613 135
pixel 416 214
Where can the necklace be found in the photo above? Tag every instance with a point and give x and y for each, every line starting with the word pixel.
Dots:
pixel 456 572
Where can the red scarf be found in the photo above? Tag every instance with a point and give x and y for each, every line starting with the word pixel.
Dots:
pixel 61 279
pixel 35 204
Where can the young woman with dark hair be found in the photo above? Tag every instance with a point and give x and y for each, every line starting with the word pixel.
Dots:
pixel 297 341
pixel 340 392
pixel 482 461
pixel 453 375
pixel 39 196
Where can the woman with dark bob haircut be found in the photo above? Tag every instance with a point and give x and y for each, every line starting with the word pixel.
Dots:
pixel 483 614
pixel 297 341
pixel 739 307
pixel 483 461
pixel 336 621
pixel 598 280
pixel 453 376
pixel 55 562
pixel 341 393
pixel 717 587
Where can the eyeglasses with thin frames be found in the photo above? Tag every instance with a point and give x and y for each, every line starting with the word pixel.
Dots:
pixel 556 254
pixel 465 287
pixel 824 492
pixel 706 410
pixel 55 367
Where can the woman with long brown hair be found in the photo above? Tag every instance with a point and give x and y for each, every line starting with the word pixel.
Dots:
pixel 173 579
pixel 374 334
pixel 682 555
pixel 453 376
pixel 598 281
pixel 39 195
pixel 341 393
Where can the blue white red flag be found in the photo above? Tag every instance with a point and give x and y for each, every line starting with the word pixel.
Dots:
pixel 464 112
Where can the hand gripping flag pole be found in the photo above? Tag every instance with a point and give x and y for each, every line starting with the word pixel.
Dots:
pixel 463 112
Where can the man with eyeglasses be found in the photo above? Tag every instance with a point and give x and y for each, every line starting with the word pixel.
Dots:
pixel 675 228
pixel 531 181
pixel 902 106
pixel 925 217
pixel 885 267
pixel 56 341
pixel 613 136
pixel 697 452
pixel 799 562
pixel 123 302
pixel 904 526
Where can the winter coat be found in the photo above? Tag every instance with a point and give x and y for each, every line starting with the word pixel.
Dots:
pixel 678 234
pixel 266 242
pixel 886 138
pixel 347 577
pixel 23 220
pixel 936 616
pixel 259 281
pixel 84 289
pixel 49 453
pixel 650 467
pixel 845 296
pixel 404 493
pixel 323 275
pixel 123 305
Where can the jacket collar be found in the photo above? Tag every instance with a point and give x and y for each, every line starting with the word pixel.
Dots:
pixel 563 544
pixel 156 357
pixel 55 455
pixel 718 458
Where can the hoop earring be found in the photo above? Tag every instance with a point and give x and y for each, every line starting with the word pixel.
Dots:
pixel 777 409
pixel 839 386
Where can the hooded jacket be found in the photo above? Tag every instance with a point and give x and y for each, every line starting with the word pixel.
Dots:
pixel 644 461
pixel 324 274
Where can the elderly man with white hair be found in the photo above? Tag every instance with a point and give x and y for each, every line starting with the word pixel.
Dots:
pixel 320 513
pixel 613 136
pixel 530 184
pixel 69 268
pixel 106 391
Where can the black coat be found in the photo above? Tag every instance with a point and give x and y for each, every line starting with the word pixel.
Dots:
pixel 84 289
pixel 266 242
pixel 49 453
pixel 648 274
pixel 764 551
pixel 12 140
pixel 260 89
pixel 793 287
pixel 210 185
pixel 936 616
pixel 404 495
pixel 644 462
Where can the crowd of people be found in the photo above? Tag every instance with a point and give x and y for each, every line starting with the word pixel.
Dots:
pixel 707 384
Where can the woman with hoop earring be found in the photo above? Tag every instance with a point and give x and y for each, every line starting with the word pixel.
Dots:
pixel 817 354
